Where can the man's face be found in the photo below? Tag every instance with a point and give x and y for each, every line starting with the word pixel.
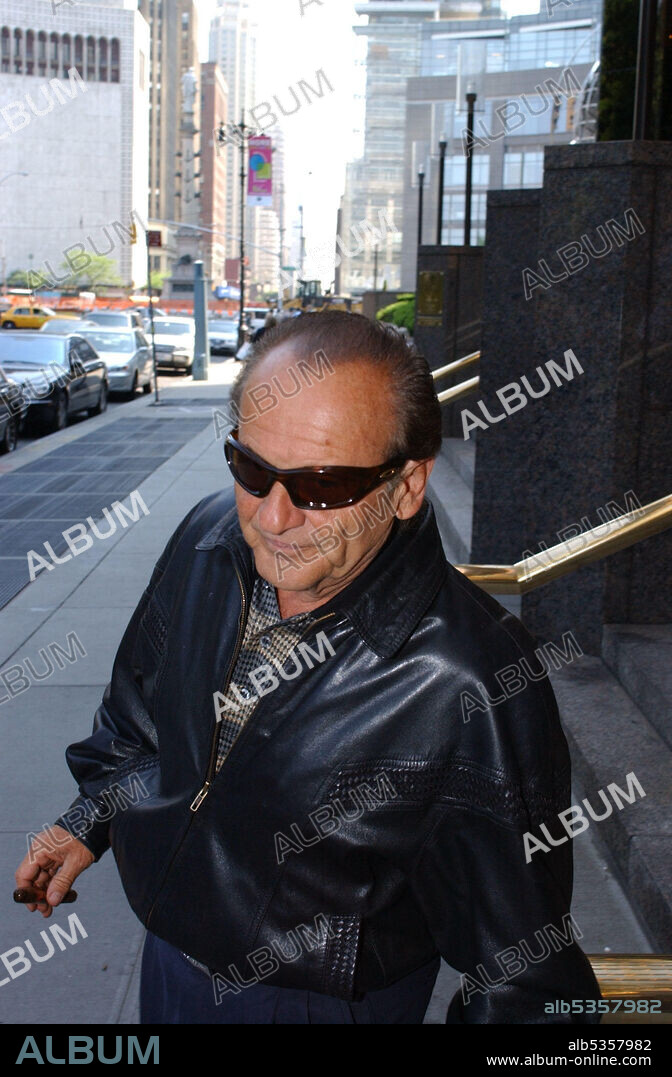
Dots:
pixel 343 420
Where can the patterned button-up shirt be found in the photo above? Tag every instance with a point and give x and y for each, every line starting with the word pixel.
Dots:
pixel 268 641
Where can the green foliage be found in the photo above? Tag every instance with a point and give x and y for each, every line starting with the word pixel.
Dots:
pixel 98 270
pixel 157 278
pixel 18 278
pixel 401 313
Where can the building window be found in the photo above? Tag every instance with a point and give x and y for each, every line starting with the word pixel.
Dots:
pixel 66 53
pixel 79 55
pixel 102 59
pixel 523 168
pixel 18 52
pixel 30 52
pixel 114 60
pixel 5 48
pixel 42 53
pixel 54 42
pixel 90 59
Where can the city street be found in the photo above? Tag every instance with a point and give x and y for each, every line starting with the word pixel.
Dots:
pixel 174 459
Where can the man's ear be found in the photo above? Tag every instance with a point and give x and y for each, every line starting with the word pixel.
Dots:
pixel 412 487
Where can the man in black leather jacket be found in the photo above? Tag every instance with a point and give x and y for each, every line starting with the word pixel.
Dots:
pixel 304 850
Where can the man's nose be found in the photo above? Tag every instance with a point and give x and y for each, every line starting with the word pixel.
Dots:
pixel 277 513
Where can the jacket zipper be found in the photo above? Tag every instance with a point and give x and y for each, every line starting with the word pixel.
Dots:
pixel 203 792
pixel 205 789
pixel 207 784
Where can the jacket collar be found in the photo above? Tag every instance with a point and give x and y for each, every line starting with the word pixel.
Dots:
pixel 386 601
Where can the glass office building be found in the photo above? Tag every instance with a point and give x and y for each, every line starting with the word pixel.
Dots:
pixel 531 74
pixel 374 183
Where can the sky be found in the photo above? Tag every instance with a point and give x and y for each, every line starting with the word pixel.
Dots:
pixel 296 39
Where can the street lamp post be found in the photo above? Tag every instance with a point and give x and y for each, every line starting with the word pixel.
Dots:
pixel 442 171
pixel 241 133
pixel 421 192
pixel 375 268
pixel 471 102
pixel 302 242
pixel 645 73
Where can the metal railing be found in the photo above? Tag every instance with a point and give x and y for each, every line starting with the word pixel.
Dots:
pixel 565 557
pixel 632 977
pixel 465 387
pixel 628 977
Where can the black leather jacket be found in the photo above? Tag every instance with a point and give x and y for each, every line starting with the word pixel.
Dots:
pixel 434 861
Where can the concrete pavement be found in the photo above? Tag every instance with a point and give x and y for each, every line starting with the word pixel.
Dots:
pixel 95 978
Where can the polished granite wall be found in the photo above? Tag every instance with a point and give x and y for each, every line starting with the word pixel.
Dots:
pixel 560 458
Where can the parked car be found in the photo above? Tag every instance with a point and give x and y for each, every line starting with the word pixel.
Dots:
pixel 59 376
pixel 175 342
pixel 116 319
pixel 223 336
pixel 13 408
pixel 26 316
pixel 67 325
pixel 127 356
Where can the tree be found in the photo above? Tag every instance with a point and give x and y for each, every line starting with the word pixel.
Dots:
pixel 156 278
pixel 18 278
pixel 98 270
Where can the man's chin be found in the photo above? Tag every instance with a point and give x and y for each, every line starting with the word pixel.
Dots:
pixel 284 570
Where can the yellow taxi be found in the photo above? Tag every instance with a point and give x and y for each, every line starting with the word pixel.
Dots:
pixel 26 315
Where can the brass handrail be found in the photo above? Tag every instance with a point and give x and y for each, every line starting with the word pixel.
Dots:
pixel 458 391
pixel 632 976
pixel 458 364
pixel 565 557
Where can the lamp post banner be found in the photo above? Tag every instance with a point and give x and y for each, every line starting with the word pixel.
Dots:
pixel 260 172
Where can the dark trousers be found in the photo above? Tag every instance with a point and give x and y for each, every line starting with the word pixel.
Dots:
pixel 174 992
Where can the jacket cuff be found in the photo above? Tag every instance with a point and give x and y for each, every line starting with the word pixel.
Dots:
pixel 83 823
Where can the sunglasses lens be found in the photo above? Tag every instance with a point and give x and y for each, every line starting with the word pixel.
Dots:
pixel 252 476
pixel 307 489
pixel 323 491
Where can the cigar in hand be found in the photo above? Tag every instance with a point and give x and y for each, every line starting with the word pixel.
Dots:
pixel 26 895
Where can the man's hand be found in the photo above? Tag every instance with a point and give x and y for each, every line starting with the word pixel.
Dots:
pixel 53 863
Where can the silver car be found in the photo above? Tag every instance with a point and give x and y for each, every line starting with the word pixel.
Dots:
pixel 223 336
pixel 116 319
pixel 63 326
pixel 174 339
pixel 128 358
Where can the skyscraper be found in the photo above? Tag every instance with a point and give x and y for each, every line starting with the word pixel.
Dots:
pixel 233 48
pixel 174 50
pixel 214 111
pixel 374 185
pixel 75 153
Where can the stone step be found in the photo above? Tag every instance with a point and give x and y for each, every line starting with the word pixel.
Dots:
pixel 641 657
pixel 453 503
pixel 609 737
pixel 453 499
pixel 461 455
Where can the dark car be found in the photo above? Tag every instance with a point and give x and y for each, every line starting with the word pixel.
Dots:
pixel 59 375
pixel 116 319
pixel 13 410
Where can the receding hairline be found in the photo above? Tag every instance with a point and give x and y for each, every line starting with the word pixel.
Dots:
pixel 345 359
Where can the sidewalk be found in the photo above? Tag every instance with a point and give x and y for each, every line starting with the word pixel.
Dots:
pixel 94 595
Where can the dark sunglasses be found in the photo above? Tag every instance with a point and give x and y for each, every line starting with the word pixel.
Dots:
pixel 308 487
